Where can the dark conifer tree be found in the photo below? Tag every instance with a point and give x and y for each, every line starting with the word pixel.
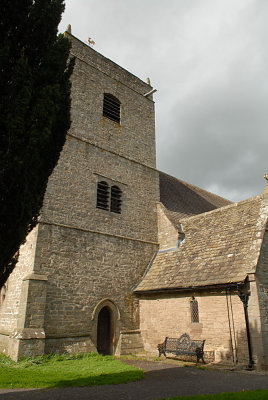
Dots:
pixel 34 114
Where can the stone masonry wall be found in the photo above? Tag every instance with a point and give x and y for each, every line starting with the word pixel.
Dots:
pixel 167 233
pixel 12 293
pixel 95 75
pixel 262 286
pixel 10 303
pixel 170 315
pixel 79 169
pixel 78 280
pixel 100 149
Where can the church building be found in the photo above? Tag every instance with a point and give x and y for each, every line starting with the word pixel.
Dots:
pixel 125 255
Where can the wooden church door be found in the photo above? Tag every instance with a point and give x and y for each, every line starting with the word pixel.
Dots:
pixel 104 334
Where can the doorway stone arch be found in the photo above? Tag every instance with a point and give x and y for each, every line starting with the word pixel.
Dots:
pixel 106 319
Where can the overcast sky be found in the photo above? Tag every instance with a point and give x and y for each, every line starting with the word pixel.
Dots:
pixel 208 60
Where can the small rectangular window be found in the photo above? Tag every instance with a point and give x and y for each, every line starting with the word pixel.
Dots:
pixel 111 107
pixel 102 195
pixel 115 199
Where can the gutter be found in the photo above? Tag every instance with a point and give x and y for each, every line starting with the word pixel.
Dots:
pixel 188 288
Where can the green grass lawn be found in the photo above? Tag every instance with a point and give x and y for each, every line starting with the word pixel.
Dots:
pixel 251 395
pixel 65 370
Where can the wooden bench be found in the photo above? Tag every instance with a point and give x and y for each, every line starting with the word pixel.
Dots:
pixel 183 345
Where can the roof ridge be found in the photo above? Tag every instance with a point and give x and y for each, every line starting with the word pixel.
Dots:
pixel 190 185
pixel 220 209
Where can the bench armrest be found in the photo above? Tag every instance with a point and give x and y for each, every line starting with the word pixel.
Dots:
pixel 161 347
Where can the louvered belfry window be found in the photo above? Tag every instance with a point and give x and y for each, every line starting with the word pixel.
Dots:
pixel 111 107
pixel 116 199
pixel 102 195
pixel 194 310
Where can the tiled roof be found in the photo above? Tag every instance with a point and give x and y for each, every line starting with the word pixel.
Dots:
pixel 182 199
pixel 221 246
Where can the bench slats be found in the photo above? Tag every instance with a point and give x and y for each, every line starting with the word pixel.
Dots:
pixel 183 345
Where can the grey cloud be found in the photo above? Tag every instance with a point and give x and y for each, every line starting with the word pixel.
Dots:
pixel 219 137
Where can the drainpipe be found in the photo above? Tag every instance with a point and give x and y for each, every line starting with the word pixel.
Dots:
pixel 244 298
pixel 230 330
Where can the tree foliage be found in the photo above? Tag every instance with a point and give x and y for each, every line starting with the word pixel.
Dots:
pixel 34 114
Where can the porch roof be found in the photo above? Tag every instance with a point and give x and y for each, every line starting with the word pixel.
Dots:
pixel 220 247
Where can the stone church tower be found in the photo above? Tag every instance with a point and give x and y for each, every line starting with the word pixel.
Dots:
pixel 71 289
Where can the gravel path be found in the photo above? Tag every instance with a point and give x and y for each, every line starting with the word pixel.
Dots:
pixel 161 380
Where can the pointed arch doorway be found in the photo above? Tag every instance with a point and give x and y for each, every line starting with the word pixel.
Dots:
pixel 106 315
pixel 104 332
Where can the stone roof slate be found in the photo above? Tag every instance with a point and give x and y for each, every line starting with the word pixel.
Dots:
pixel 221 246
pixel 182 199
